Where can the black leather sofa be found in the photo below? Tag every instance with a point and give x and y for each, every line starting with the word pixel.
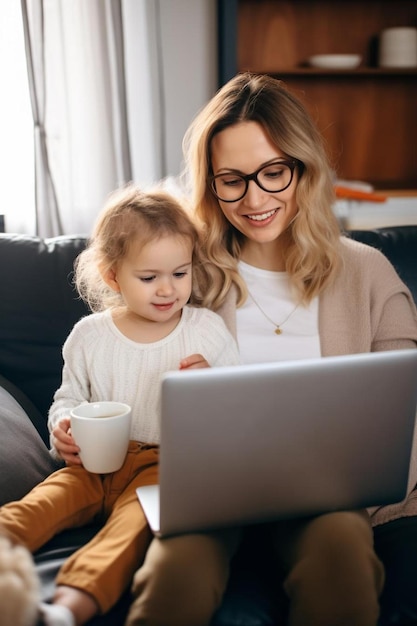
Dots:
pixel 38 307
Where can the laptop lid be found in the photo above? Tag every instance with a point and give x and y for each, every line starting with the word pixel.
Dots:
pixel 254 443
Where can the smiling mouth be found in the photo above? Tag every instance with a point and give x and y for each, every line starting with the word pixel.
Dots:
pixel 260 217
pixel 165 306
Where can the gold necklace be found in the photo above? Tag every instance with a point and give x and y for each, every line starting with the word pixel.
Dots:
pixel 278 327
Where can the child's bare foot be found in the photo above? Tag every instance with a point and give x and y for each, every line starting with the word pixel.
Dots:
pixel 19 586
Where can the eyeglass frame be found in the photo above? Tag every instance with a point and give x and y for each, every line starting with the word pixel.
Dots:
pixel 291 163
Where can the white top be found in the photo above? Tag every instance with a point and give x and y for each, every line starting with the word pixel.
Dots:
pixel 255 332
pixel 100 363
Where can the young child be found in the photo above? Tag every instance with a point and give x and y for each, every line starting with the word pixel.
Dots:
pixel 137 275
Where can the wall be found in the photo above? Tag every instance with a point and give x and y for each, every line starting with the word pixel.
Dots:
pixel 189 35
pixel 171 64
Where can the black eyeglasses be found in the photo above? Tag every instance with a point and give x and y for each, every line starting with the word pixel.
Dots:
pixel 272 178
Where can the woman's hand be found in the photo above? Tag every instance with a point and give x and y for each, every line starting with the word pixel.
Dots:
pixel 64 442
pixel 193 362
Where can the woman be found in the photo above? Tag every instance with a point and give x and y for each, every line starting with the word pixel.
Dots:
pixel 288 286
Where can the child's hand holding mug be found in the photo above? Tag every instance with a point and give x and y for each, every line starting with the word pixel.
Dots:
pixel 64 442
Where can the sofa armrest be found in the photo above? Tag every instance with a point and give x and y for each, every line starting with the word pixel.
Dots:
pixel 24 458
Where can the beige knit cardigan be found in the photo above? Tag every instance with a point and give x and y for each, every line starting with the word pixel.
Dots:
pixel 367 309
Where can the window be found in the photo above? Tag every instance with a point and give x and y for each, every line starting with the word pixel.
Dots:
pixel 16 124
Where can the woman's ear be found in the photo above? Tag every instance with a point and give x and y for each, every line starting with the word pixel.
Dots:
pixel 110 278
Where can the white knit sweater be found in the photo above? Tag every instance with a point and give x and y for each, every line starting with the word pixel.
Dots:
pixel 100 363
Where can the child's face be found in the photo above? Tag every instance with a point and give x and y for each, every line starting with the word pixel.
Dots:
pixel 155 280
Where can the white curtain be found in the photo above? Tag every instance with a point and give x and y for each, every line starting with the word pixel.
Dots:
pixel 76 53
pixel 114 85
pixel 45 195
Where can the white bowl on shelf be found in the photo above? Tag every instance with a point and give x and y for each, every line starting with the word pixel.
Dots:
pixel 335 61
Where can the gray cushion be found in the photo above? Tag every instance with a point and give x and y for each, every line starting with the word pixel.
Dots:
pixel 24 459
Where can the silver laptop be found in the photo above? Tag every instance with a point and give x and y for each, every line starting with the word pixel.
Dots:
pixel 255 443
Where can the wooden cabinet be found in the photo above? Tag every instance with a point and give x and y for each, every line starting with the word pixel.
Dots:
pixel 368 115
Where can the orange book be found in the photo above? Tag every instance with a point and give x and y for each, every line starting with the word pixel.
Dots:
pixel 356 194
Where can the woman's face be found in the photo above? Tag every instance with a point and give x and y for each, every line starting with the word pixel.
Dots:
pixel 261 216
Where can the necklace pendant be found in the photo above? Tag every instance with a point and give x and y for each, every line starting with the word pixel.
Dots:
pixel 278 331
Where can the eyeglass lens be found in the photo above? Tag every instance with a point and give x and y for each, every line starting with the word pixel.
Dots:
pixel 272 178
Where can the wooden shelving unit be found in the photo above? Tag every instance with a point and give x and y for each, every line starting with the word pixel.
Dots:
pixel 368 116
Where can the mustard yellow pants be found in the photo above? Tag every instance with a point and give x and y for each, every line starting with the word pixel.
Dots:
pixel 333 577
pixel 73 497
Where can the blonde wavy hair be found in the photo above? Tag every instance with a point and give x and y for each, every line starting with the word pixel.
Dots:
pixel 313 257
pixel 133 217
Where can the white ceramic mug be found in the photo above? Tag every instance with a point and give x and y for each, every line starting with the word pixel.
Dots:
pixel 102 432
pixel 398 47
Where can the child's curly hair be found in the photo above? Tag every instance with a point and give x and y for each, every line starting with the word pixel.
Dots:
pixel 133 216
